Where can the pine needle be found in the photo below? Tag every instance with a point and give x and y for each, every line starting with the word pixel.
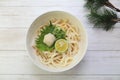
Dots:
pixel 89 4
pixel 96 4
pixel 106 20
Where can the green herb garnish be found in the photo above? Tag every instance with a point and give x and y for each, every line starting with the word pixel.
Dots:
pixel 55 30
pixel 59 33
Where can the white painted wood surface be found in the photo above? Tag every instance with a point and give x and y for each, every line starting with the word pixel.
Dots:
pixel 101 62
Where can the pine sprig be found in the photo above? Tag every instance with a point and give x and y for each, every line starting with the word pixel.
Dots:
pixel 96 4
pixel 89 4
pixel 106 20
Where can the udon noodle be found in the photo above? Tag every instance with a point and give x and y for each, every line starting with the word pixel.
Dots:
pixel 54 58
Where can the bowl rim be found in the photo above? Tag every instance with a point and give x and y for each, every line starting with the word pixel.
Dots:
pixel 75 64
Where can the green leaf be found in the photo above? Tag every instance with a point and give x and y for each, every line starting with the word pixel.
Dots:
pixel 59 33
pixel 56 31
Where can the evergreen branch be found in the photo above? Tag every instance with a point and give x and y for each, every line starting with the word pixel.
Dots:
pixel 89 4
pixel 106 20
pixel 117 20
pixel 108 4
pixel 96 4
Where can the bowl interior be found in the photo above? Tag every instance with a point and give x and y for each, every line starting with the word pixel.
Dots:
pixel 43 19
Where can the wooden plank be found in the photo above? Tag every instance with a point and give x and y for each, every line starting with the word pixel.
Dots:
pixel 94 62
pixel 24 16
pixel 35 0
pixel 14 39
pixel 41 3
pixel 48 3
pixel 22 21
pixel 99 39
pixel 31 11
pixel 37 77
pixel 15 21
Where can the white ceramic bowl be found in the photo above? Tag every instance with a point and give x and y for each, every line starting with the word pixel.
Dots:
pixel 43 19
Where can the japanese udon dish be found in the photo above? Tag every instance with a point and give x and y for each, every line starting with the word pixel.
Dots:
pixel 57 42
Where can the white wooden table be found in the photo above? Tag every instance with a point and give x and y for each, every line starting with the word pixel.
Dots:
pixel 101 62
